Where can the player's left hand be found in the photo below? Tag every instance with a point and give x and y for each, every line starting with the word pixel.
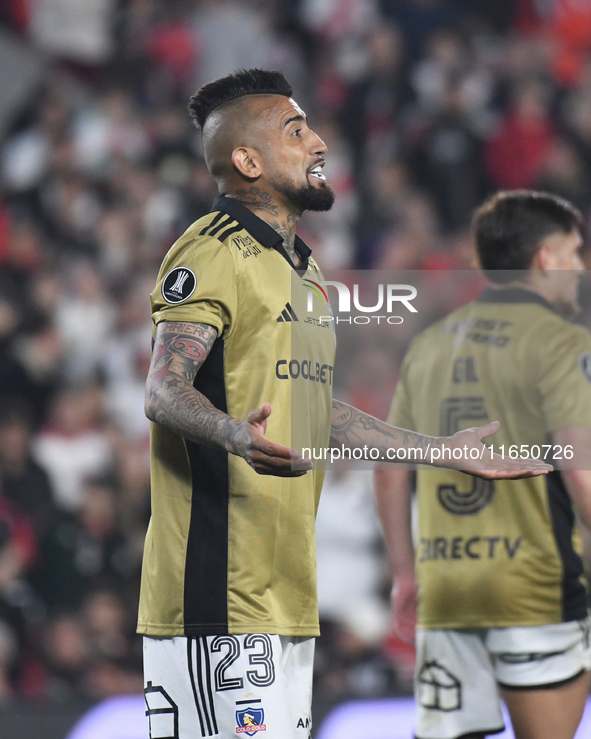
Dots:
pixel 404 608
pixel 477 459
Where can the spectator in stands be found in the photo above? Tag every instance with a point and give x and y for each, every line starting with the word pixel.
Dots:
pixel 74 445
pixel 85 548
pixel 23 481
pixel 516 152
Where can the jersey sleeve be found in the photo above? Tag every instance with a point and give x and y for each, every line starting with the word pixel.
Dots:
pixel 565 380
pixel 197 283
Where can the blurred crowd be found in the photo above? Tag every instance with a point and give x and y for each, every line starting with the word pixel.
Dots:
pixel 426 106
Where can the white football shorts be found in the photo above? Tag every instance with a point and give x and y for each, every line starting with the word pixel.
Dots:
pixel 459 672
pixel 252 685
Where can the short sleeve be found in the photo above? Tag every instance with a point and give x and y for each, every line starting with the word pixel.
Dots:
pixel 565 380
pixel 197 283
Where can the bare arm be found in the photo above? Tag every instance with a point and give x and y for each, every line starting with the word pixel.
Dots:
pixel 171 400
pixel 352 429
pixel 180 349
pixel 392 488
pixel 393 498
pixel 577 477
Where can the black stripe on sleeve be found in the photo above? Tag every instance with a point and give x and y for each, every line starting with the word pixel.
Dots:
pixel 203 231
pixel 229 231
pixel 222 224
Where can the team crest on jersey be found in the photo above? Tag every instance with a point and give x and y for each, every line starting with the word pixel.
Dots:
pixel 178 285
pixel 585 365
pixel 250 721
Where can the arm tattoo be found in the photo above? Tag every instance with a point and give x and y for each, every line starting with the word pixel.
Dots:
pixel 342 415
pixel 171 400
pixel 352 428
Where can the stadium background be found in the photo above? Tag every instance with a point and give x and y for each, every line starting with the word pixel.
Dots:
pixel 425 105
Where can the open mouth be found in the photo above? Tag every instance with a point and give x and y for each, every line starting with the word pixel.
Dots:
pixel 316 173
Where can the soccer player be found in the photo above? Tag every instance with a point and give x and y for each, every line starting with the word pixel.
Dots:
pixel 501 601
pixel 228 595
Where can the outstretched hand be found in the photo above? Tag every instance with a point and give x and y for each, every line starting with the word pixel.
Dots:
pixel 263 455
pixel 477 459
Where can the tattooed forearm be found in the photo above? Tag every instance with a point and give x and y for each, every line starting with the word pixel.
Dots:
pixel 342 416
pixel 354 429
pixel 171 400
pixel 419 441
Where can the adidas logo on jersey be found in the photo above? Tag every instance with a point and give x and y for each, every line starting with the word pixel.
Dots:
pixel 287 315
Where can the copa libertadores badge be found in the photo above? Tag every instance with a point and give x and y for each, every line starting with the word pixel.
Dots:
pixel 178 285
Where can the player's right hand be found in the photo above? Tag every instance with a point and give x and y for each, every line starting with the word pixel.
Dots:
pixel 263 455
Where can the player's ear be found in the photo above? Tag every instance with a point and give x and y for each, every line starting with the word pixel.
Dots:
pixel 543 259
pixel 247 161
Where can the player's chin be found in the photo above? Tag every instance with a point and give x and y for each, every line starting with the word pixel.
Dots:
pixel 321 197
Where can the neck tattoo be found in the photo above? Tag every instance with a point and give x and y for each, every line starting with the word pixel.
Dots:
pixel 261 201
pixel 257 199
pixel 285 227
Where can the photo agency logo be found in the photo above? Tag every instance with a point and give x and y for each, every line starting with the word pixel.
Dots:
pixel 390 299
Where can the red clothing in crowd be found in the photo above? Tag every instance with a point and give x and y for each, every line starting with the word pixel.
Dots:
pixel 515 155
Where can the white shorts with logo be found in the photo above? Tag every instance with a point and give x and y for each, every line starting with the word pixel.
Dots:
pixel 252 685
pixel 459 671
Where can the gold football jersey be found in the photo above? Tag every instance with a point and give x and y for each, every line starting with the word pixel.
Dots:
pixel 228 550
pixel 503 553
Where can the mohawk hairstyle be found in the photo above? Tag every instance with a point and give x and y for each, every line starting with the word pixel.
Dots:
pixel 235 85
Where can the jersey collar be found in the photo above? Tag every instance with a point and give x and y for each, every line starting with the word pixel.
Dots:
pixel 513 295
pixel 261 231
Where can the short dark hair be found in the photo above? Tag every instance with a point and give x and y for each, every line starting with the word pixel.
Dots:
pixel 235 85
pixel 509 227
